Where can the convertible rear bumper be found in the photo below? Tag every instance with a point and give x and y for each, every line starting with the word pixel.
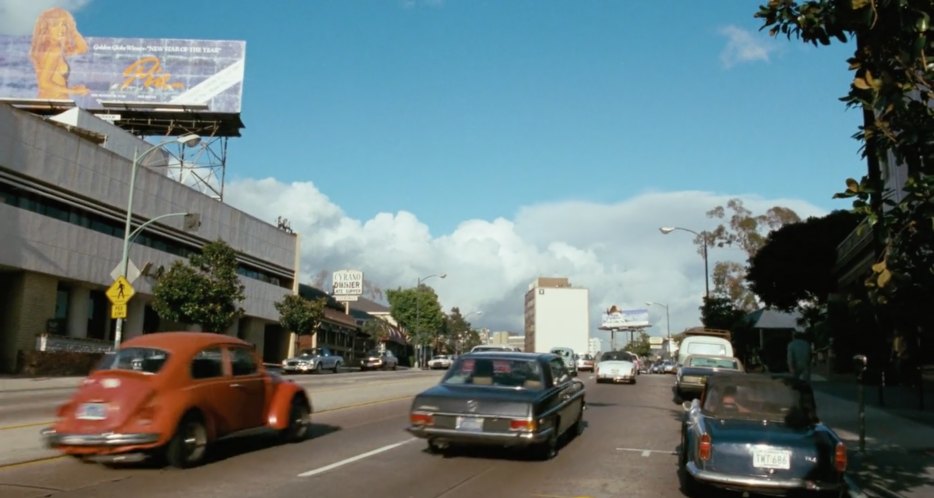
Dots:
pixel 483 438
pixel 54 439
pixel 759 483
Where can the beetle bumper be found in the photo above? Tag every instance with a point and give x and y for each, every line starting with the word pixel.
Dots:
pixel 53 439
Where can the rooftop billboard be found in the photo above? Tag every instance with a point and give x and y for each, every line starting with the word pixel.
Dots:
pixel 616 318
pixel 58 63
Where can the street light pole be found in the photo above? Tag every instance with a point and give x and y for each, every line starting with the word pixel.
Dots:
pixel 418 317
pixel 702 235
pixel 189 140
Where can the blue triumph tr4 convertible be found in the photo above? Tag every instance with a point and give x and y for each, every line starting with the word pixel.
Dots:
pixel 759 433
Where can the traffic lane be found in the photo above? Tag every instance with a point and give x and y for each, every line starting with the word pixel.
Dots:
pixel 38 406
pixel 244 466
pixel 364 451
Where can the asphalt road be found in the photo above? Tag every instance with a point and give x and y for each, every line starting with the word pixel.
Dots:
pixel 627 449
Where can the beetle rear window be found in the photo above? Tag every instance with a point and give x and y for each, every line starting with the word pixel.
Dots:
pixel 145 360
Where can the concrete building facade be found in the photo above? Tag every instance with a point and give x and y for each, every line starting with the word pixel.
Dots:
pixel 556 314
pixel 63 198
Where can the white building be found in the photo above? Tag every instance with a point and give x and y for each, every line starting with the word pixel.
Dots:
pixel 63 200
pixel 556 314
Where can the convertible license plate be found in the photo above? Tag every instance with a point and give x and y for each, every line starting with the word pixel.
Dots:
pixel 92 411
pixel 469 424
pixel 771 459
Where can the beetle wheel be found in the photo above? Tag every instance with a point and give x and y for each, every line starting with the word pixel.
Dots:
pixel 337 365
pixel 299 423
pixel 188 445
pixel 318 369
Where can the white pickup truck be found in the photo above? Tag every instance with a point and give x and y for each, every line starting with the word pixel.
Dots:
pixel 315 360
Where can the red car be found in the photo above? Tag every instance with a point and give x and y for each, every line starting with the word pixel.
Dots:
pixel 171 395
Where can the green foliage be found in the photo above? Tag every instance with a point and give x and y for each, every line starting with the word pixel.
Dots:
pixel 419 312
pixel 206 291
pixel 892 84
pixel 640 345
pixel 378 329
pixel 796 264
pixel 748 232
pixel 720 313
pixel 299 315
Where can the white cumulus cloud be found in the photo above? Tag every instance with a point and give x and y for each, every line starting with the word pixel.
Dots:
pixel 17 17
pixel 614 250
pixel 743 46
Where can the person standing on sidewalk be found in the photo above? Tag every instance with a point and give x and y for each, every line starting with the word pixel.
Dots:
pixel 799 357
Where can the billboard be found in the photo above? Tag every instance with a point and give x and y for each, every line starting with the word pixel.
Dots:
pixel 58 63
pixel 616 318
pixel 347 283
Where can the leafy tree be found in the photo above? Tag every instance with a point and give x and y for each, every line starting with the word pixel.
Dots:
pixel 455 328
pixel 418 311
pixel 299 315
pixel 719 313
pixel 892 85
pixel 378 329
pixel 749 233
pixel 797 261
pixel 470 340
pixel 206 291
pixel 640 346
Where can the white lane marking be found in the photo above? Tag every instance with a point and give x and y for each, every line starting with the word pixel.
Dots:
pixel 354 459
pixel 646 452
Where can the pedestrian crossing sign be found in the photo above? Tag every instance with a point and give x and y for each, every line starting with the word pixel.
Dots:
pixel 121 291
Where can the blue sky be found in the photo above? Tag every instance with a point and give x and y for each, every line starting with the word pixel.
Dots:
pixel 497 141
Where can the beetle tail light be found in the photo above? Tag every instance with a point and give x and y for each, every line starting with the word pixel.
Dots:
pixel 839 457
pixel 421 418
pixel 523 424
pixel 704 447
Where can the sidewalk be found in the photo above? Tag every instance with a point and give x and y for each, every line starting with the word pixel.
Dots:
pixel 898 460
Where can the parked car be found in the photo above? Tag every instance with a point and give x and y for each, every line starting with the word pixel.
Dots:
pixel 758 433
pixel 616 366
pixel 507 399
pixel 569 357
pixel 376 360
pixel 697 368
pixel 173 394
pixel 315 360
pixel 585 362
pixel 440 361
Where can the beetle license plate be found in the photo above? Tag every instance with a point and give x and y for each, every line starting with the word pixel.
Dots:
pixel 771 459
pixel 469 424
pixel 92 411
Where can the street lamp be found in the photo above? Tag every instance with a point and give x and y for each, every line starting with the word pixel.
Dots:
pixel 702 235
pixel 417 315
pixel 190 140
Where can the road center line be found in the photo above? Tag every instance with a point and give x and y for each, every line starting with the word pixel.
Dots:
pixel 646 452
pixel 354 459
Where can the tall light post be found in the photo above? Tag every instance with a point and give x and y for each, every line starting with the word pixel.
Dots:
pixel 702 235
pixel 418 335
pixel 190 140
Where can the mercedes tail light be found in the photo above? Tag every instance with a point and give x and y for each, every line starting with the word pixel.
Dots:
pixel 523 425
pixel 421 418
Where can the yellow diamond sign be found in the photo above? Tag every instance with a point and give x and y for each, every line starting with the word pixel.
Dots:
pixel 121 291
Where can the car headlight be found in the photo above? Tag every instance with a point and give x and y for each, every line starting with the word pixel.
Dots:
pixel 285 362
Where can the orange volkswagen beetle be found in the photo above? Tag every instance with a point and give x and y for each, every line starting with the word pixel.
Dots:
pixel 171 395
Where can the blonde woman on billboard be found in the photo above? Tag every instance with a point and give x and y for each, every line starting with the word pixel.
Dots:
pixel 55 37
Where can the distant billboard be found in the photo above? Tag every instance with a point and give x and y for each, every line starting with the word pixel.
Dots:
pixel 616 318
pixel 57 63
